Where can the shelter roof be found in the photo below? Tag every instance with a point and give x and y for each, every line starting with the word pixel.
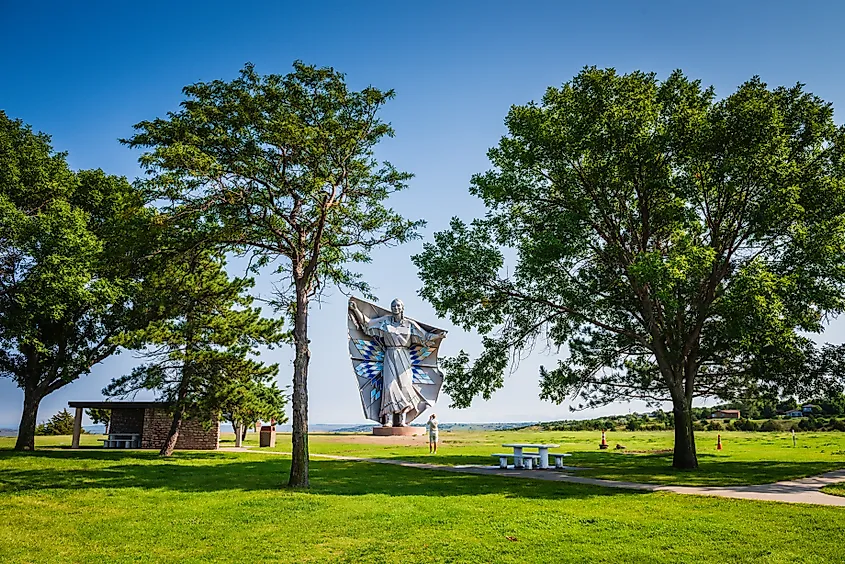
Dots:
pixel 119 404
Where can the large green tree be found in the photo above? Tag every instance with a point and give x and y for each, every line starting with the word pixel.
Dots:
pixel 72 253
pixel 209 333
pixel 285 167
pixel 674 245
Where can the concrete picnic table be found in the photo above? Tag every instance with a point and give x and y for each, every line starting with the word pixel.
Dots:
pixel 543 451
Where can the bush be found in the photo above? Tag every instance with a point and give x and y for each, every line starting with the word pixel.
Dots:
pixel 745 425
pixel 715 426
pixel 698 426
pixel 774 425
pixel 633 425
pixel 808 424
pixel 837 424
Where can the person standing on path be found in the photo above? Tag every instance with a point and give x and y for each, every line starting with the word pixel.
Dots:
pixel 431 427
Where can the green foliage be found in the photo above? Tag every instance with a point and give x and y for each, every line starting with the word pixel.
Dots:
pixel 247 397
pixel 72 256
pixel 205 342
pixel 285 166
pixel 676 245
pixel 59 424
pixel 99 416
pixel 602 424
pixel 775 425
pixel 284 169
pixel 745 425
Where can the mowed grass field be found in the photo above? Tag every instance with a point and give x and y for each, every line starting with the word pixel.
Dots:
pixel 91 505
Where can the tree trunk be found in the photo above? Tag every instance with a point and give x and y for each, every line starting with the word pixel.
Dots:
pixel 684 456
pixel 29 417
pixel 299 435
pixel 238 435
pixel 173 436
pixel 182 394
pixel 178 412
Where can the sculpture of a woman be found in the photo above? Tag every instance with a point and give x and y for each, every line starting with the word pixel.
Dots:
pixel 396 335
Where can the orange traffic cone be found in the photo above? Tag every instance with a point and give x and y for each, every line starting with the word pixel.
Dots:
pixel 603 444
pixel 718 442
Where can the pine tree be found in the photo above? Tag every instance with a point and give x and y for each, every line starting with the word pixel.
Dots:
pixel 59 424
pixel 211 332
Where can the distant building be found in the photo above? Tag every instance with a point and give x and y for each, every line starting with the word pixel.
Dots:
pixel 725 414
pixel 809 408
pixel 795 413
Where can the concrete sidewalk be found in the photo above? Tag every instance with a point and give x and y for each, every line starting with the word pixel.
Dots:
pixel 804 490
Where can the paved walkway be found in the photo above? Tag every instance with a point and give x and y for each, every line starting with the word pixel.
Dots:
pixel 803 490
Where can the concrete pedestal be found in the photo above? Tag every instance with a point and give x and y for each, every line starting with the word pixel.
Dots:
pixel 397 431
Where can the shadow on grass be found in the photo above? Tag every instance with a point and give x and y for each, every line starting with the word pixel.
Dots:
pixel 214 472
pixel 712 470
pixel 443 459
pixel 66 469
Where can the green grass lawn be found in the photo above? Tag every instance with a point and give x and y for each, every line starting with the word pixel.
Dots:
pixel 746 458
pixel 91 505
pixel 835 489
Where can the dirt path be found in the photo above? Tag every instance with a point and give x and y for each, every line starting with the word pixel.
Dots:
pixel 803 490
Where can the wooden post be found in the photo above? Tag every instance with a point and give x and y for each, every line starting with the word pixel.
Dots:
pixel 77 428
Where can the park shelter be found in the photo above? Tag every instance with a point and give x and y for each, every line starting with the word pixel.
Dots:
pixel 151 421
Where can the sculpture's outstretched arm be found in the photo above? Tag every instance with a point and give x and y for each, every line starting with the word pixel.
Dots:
pixel 360 319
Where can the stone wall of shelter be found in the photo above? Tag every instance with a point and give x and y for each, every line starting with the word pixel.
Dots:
pixel 127 421
pixel 194 434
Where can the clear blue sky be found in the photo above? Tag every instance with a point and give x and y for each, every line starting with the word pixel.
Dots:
pixel 85 72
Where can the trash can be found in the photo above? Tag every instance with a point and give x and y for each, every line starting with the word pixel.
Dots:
pixel 267 436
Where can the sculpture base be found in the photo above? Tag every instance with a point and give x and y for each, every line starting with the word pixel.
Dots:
pixel 397 431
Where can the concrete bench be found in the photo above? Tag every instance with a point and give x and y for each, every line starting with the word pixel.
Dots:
pixel 528 460
pixel 117 443
pixel 559 456
pixel 121 440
